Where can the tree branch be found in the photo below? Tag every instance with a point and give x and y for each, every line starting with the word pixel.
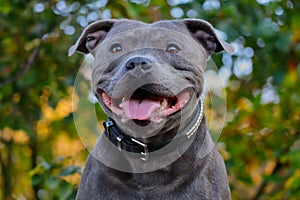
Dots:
pixel 23 69
pixel 276 169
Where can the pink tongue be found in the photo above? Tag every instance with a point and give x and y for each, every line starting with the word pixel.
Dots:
pixel 140 109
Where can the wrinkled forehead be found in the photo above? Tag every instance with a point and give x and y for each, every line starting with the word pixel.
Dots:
pixel 153 39
pixel 140 35
pixel 127 25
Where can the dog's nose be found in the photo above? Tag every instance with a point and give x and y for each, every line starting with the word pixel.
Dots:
pixel 143 63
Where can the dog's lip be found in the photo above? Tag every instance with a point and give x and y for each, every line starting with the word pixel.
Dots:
pixel 158 107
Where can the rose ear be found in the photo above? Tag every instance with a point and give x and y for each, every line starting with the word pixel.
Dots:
pixel 91 36
pixel 205 34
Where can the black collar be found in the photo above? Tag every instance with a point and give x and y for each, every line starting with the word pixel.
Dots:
pixel 130 144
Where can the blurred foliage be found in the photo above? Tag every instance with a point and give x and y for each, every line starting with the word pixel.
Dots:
pixel 260 142
pixel 51 177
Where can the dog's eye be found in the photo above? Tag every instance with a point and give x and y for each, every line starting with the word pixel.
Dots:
pixel 90 38
pixel 172 48
pixel 115 48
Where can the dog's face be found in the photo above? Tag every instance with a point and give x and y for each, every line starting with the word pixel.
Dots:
pixel 149 75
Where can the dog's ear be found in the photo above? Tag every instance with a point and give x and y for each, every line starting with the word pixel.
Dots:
pixel 205 34
pixel 91 36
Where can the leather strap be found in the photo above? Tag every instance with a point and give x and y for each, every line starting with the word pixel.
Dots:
pixel 130 144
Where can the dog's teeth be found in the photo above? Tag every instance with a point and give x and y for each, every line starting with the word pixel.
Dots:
pixel 163 104
pixel 121 104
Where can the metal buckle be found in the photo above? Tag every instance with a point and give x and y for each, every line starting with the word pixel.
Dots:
pixel 145 154
pixel 107 125
pixel 119 142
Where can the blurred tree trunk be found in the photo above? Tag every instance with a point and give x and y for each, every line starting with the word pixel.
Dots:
pixel 34 148
pixel 5 166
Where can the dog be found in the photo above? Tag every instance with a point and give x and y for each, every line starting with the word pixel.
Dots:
pixel 148 79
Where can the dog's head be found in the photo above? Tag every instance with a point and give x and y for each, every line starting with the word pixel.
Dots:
pixel 149 74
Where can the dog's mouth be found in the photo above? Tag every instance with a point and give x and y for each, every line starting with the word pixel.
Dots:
pixel 144 106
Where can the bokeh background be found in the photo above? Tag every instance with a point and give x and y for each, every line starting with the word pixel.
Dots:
pixel 41 155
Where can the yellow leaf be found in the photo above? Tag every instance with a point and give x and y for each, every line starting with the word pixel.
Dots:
pixel 16 98
pixel 20 136
pixel 42 128
pixel 66 146
pixel 32 44
pixel 292 179
pixel 245 104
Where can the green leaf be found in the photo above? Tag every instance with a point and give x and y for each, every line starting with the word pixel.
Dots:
pixel 52 182
pixel 64 190
pixel 44 194
pixel 36 179
pixel 69 171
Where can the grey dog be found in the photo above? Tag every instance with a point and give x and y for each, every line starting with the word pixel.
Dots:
pixel 148 79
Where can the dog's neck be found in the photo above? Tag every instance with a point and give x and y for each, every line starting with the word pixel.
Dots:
pixel 116 161
pixel 188 163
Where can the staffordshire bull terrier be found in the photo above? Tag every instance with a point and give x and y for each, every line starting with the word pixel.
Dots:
pixel 148 79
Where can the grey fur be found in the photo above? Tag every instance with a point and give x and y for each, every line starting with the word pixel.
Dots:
pixel 191 176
